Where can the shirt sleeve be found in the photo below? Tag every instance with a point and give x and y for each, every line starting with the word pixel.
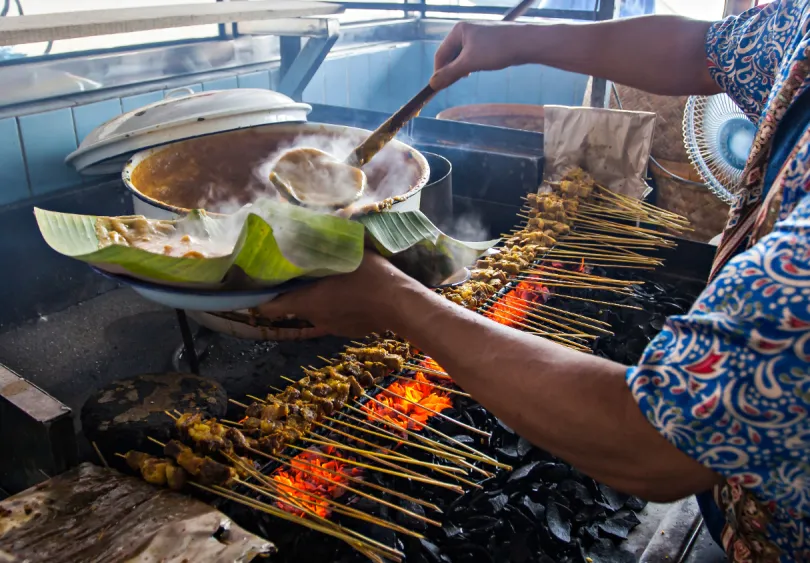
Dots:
pixel 729 383
pixel 745 52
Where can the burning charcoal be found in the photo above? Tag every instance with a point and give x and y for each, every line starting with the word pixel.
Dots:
pixel 614 500
pixel 558 527
pixel 409 521
pixel 524 447
pixel 535 509
pixel 636 504
pixel 604 551
pixel 620 524
pixel 498 502
pixel 523 472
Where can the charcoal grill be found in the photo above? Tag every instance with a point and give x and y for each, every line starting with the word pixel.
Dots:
pixel 493 169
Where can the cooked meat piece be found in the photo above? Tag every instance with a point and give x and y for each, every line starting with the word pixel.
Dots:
pixel 176 477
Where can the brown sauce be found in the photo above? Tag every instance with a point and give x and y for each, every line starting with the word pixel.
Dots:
pixel 209 172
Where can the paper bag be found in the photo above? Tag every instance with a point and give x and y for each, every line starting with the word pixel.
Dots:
pixel 611 145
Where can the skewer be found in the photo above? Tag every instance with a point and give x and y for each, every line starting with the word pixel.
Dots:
pixel 441 469
pixel 470 453
pixel 428 371
pixel 467 427
pixel 238 404
pixel 515 320
pixel 383 449
pixel 549 311
pixel 170 415
pixel 100 455
pixel 439 387
pixel 367 544
pixel 335 506
pixel 374 455
pixel 399 440
pixel 353 479
pixel 441 435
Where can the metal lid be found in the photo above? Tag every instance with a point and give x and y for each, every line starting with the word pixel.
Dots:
pixel 182 115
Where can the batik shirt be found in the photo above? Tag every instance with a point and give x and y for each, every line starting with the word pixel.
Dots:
pixel 729 383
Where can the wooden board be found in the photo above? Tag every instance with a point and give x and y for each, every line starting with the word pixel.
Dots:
pixel 19 30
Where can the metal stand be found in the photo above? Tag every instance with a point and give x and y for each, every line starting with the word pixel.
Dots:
pixel 299 65
pixel 188 342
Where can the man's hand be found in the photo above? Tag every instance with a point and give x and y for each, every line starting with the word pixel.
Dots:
pixel 353 305
pixel 471 47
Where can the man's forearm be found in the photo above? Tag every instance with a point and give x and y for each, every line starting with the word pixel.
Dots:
pixel 659 54
pixel 574 405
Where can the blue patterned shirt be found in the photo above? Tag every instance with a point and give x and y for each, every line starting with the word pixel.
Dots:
pixel 729 383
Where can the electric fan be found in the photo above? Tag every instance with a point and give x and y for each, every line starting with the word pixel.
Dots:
pixel 718 137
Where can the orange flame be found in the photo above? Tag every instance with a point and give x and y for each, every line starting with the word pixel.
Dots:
pixel 421 396
pixel 312 480
pixel 512 308
pixel 582 266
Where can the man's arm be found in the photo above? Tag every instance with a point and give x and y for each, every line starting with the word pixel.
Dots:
pixel 659 54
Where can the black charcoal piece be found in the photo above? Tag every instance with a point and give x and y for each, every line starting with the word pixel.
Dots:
pixel 553 471
pixel 620 524
pixel 520 550
pixel 409 521
pixel 603 551
pixel 577 493
pixel 558 527
pixel 452 531
pixel 504 426
pixel 464 439
pixel 613 499
pixel 524 447
pixel 498 502
pixel 523 472
pixel 481 525
pixel 432 552
pixel 635 503
pixel 508 452
pixel 537 510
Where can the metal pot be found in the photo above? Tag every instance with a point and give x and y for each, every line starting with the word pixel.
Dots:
pixel 170 180
pixel 437 195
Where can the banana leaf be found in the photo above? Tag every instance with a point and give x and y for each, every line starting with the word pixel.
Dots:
pixel 273 242
pixel 416 246
pixel 299 243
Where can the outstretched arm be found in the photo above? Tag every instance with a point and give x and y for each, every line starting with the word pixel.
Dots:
pixel 659 54
pixel 574 405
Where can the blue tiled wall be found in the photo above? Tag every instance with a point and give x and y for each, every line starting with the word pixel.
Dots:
pixel 33 147
pixel 385 79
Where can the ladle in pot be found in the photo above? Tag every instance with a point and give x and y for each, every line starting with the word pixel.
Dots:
pixel 299 173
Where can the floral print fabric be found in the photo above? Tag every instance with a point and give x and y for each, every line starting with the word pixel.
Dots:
pixel 729 383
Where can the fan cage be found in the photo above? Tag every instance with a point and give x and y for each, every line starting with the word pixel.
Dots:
pixel 703 119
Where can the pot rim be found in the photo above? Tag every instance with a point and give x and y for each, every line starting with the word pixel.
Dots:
pixel 141 156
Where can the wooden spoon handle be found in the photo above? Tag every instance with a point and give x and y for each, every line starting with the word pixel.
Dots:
pixel 389 129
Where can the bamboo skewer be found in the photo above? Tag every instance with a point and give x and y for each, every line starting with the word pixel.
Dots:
pixel 467 427
pixel 444 436
pixel 421 479
pixel 385 434
pixel 550 312
pixel 335 506
pixel 469 452
pixel 442 470
pixel 428 371
pixel 328 529
pixel 532 314
pixel 378 456
pixel 439 387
